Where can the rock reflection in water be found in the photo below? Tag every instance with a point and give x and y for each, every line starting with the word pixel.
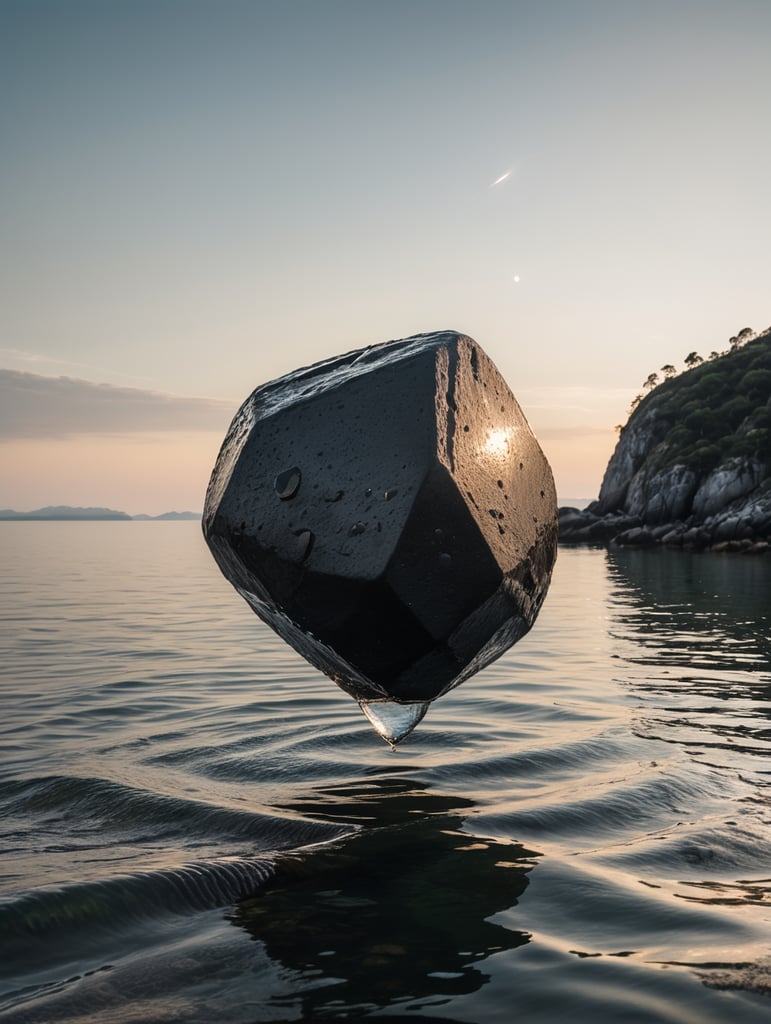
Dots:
pixel 702 631
pixel 700 666
pixel 389 916
pixel 688 600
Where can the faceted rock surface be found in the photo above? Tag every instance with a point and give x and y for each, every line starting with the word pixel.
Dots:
pixel 389 513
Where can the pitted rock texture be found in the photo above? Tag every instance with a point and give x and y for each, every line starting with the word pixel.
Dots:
pixel 389 513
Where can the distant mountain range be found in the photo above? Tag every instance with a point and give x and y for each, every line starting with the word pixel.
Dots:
pixel 68 512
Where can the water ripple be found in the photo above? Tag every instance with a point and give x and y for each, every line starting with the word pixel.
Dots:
pixel 197 826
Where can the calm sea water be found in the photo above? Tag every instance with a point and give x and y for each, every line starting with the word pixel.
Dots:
pixel 196 826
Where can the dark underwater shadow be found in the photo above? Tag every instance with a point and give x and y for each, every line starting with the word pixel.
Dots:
pixel 397 916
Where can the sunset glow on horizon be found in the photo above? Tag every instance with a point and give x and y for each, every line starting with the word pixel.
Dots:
pixel 199 197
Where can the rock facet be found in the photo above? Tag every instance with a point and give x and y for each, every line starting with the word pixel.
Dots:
pixel 390 514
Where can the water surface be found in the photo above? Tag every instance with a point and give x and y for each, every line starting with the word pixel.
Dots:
pixel 197 826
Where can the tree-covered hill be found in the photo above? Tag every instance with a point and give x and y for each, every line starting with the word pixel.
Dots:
pixel 714 412
pixel 693 463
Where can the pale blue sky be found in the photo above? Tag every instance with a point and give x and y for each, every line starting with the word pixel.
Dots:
pixel 197 197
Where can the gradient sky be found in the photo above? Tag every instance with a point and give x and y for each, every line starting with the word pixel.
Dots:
pixel 199 196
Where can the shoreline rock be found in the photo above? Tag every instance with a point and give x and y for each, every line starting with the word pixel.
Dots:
pixel 742 526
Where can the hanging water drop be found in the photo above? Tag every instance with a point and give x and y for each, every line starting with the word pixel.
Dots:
pixel 391 720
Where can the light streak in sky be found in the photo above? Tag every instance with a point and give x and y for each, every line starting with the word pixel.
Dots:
pixel 503 177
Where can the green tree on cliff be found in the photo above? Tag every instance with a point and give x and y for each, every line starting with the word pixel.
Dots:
pixel 739 339
pixel 692 360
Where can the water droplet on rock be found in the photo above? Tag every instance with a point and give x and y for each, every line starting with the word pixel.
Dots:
pixel 445 558
pixel 288 483
pixel 390 493
pixel 393 721
pixel 356 529
pixel 304 544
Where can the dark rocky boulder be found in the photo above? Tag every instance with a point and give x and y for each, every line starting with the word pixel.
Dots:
pixel 582 526
pixel 390 514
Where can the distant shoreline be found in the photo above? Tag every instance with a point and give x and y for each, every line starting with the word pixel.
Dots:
pixel 66 514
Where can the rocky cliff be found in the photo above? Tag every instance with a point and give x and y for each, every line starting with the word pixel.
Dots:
pixel 692 466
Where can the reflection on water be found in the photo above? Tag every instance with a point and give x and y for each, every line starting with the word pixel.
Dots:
pixel 402 907
pixel 195 826
pixel 715 609
pixel 700 651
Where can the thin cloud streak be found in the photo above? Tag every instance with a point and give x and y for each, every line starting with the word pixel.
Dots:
pixel 39 359
pixel 572 432
pixel 34 406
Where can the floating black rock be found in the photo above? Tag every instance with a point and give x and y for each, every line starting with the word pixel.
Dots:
pixel 391 515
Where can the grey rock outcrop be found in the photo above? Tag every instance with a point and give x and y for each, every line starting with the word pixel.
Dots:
pixel 628 458
pixel 661 496
pixel 390 514
pixel 720 488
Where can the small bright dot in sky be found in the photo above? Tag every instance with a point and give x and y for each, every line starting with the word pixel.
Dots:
pixel 516 279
